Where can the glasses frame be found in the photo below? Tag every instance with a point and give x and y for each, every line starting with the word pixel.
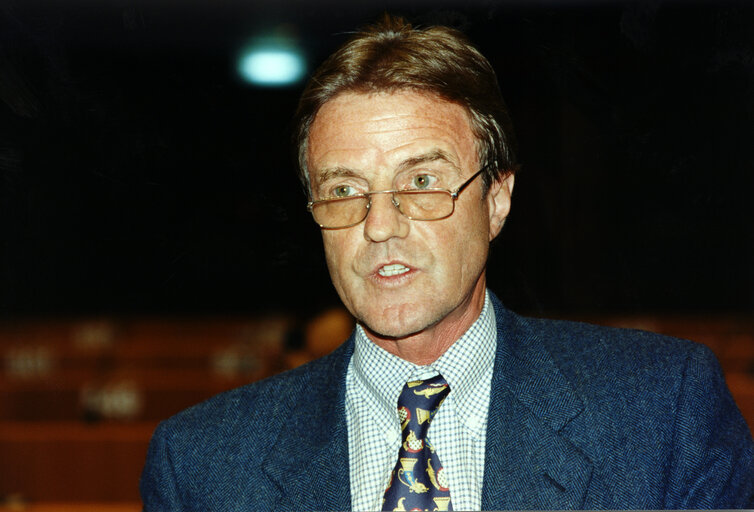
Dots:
pixel 368 195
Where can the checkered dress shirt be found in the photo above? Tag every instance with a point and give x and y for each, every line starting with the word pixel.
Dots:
pixel 375 379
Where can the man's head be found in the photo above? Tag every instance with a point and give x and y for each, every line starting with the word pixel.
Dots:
pixel 405 277
pixel 392 56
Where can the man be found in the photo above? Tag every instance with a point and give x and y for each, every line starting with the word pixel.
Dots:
pixel 405 148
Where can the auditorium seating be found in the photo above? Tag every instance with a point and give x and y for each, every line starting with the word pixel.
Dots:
pixel 79 399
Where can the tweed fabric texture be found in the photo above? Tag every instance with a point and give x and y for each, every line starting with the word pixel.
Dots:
pixel 580 417
pixel 374 381
pixel 418 479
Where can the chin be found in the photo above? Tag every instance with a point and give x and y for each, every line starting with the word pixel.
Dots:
pixel 396 328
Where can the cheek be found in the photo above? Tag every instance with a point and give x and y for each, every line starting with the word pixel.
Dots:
pixel 331 250
pixel 467 244
pixel 470 250
pixel 336 251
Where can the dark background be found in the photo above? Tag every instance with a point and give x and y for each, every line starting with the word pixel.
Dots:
pixel 139 175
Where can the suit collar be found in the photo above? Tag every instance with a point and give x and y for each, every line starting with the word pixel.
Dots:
pixel 309 460
pixel 530 462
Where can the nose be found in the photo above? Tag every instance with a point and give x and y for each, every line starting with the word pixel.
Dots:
pixel 384 221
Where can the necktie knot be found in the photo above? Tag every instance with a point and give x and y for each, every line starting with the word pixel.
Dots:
pixel 419 402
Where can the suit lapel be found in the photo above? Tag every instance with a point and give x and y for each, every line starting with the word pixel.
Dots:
pixel 309 461
pixel 530 463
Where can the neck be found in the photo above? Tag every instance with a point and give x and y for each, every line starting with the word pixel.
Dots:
pixel 426 346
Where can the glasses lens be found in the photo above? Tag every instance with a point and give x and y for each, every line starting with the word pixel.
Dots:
pixel 340 213
pixel 425 205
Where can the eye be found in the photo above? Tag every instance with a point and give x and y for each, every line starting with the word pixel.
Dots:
pixel 423 181
pixel 343 191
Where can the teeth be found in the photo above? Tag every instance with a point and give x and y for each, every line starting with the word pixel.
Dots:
pixel 392 270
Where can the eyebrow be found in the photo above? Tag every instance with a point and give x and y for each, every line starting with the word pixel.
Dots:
pixel 329 173
pixel 433 155
pixel 430 156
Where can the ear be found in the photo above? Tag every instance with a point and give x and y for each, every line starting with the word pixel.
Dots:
pixel 499 203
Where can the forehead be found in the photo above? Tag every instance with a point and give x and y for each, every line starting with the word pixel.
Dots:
pixel 381 130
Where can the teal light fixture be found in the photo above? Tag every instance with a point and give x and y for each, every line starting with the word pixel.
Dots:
pixel 272 62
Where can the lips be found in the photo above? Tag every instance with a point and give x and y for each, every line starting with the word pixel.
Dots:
pixel 394 269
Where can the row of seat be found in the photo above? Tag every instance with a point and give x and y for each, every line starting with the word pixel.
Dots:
pixel 80 399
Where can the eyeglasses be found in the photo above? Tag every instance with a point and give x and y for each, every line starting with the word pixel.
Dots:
pixel 420 204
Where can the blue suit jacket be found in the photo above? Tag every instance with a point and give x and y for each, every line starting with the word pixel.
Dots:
pixel 580 417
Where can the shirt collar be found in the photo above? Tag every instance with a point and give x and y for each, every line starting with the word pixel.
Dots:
pixel 467 363
pixel 464 366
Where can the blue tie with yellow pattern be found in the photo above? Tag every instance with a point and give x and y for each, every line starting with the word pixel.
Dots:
pixel 418 480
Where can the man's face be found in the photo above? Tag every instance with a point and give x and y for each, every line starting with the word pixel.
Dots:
pixel 400 277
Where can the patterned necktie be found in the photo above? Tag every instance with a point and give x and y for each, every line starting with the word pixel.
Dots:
pixel 418 480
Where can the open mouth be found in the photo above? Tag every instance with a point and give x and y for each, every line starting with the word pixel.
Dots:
pixel 393 270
